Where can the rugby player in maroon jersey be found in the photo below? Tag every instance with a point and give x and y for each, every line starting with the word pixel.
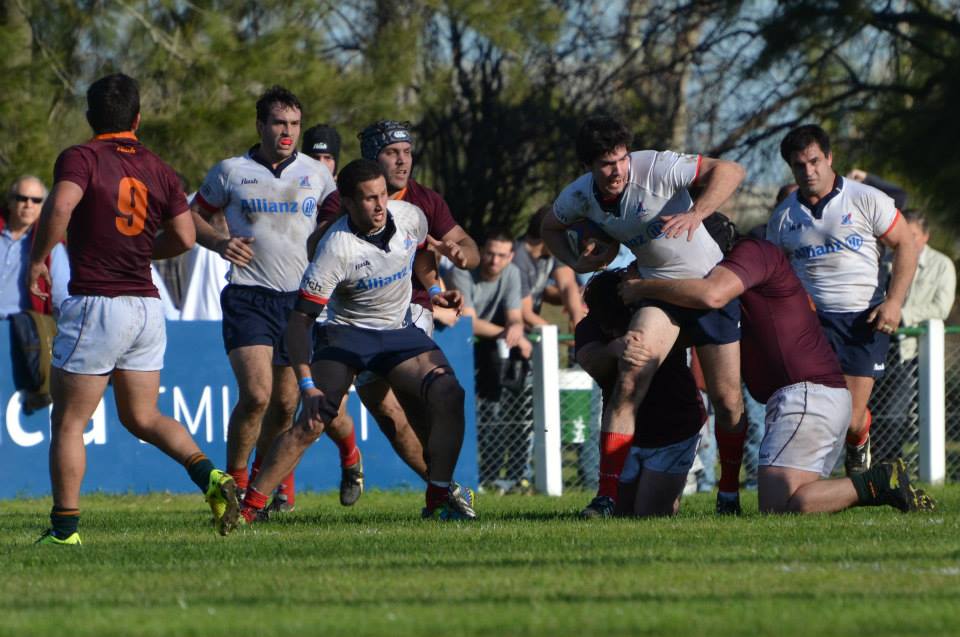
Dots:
pixel 120 206
pixel 669 418
pixel 787 363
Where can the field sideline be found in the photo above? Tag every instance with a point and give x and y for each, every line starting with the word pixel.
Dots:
pixel 152 566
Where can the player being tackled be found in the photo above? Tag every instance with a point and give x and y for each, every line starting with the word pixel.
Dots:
pixel 363 269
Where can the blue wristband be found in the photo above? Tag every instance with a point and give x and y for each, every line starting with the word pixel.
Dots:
pixel 306 383
pixel 435 290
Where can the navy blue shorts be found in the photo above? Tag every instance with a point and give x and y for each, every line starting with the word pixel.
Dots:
pixel 254 315
pixel 376 350
pixel 861 349
pixel 704 327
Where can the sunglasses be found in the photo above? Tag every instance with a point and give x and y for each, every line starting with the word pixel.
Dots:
pixel 23 199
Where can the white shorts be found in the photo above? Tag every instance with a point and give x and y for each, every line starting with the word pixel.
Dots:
pixel 422 318
pixel 806 424
pixel 97 334
pixel 676 458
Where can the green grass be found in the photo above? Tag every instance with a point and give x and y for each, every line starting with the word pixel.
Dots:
pixel 152 566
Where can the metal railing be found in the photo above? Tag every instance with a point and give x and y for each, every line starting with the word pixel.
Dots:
pixel 545 432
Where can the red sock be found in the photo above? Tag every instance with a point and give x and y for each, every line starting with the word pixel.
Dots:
pixel 730 450
pixel 614 449
pixel 241 477
pixel 855 439
pixel 436 495
pixel 253 501
pixel 349 453
pixel 255 469
pixel 288 488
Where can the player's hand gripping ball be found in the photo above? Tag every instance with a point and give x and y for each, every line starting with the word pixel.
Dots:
pixel 583 233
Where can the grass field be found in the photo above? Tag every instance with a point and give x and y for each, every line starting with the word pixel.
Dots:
pixel 151 566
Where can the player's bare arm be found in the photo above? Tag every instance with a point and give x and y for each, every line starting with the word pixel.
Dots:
pixel 718 180
pixel 236 250
pixel 300 348
pixel 569 293
pixel 594 256
pixel 425 269
pixel 176 237
pixel 457 246
pixel 52 227
pixel 513 333
pixel 716 290
pixel 886 316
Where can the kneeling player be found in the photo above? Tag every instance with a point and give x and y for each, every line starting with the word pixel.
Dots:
pixel 669 418
pixel 362 268
pixel 788 364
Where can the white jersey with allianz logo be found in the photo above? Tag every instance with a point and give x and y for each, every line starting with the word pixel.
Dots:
pixel 276 207
pixel 657 186
pixel 365 285
pixel 833 246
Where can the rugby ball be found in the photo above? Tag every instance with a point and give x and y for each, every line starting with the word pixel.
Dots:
pixel 583 232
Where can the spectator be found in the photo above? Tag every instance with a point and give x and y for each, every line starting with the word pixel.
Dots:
pixel 537 266
pixel 17 225
pixel 931 296
pixel 492 298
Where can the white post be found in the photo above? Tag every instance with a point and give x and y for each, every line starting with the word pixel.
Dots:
pixel 546 412
pixel 933 454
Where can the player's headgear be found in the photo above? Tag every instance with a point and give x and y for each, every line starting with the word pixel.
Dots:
pixel 723 231
pixel 375 137
pixel 322 139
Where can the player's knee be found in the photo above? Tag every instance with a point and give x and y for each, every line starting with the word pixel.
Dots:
pixel 440 385
pixel 253 401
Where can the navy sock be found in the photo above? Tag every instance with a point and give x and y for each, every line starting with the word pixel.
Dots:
pixel 64 521
pixel 199 467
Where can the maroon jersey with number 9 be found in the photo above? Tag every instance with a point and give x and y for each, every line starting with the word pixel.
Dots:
pixel 128 194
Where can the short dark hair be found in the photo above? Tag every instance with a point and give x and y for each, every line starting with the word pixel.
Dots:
pixel 799 138
pixel 113 103
pixel 603 300
pixel 601 135
pixel 913 215
pixel 354 174
pixel 536 221
pixel 276 94
pixel 785 191
pixel 498 234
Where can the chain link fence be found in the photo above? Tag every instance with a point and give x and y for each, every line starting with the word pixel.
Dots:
pixel 505 423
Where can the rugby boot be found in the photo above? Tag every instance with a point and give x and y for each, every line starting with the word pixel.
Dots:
pixel 279 505
pixel 221 495
pixel 857 458
pixel 601 506
pixel 351 483
pixel 49 537
pixel 458 506
pixel 898 492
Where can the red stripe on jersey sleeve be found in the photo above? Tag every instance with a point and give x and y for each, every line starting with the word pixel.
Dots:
pixel 312 298
pixel 203 203
pixel 696 175
pixel 895 220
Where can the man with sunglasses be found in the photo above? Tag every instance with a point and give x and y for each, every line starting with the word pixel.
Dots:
pixel 17 224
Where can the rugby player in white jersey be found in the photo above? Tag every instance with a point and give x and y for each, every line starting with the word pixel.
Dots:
pixel 832 230
pixel 363 270
pixel 641 199
pixel 269 196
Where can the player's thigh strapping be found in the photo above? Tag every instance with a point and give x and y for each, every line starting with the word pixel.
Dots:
pixel 805 427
